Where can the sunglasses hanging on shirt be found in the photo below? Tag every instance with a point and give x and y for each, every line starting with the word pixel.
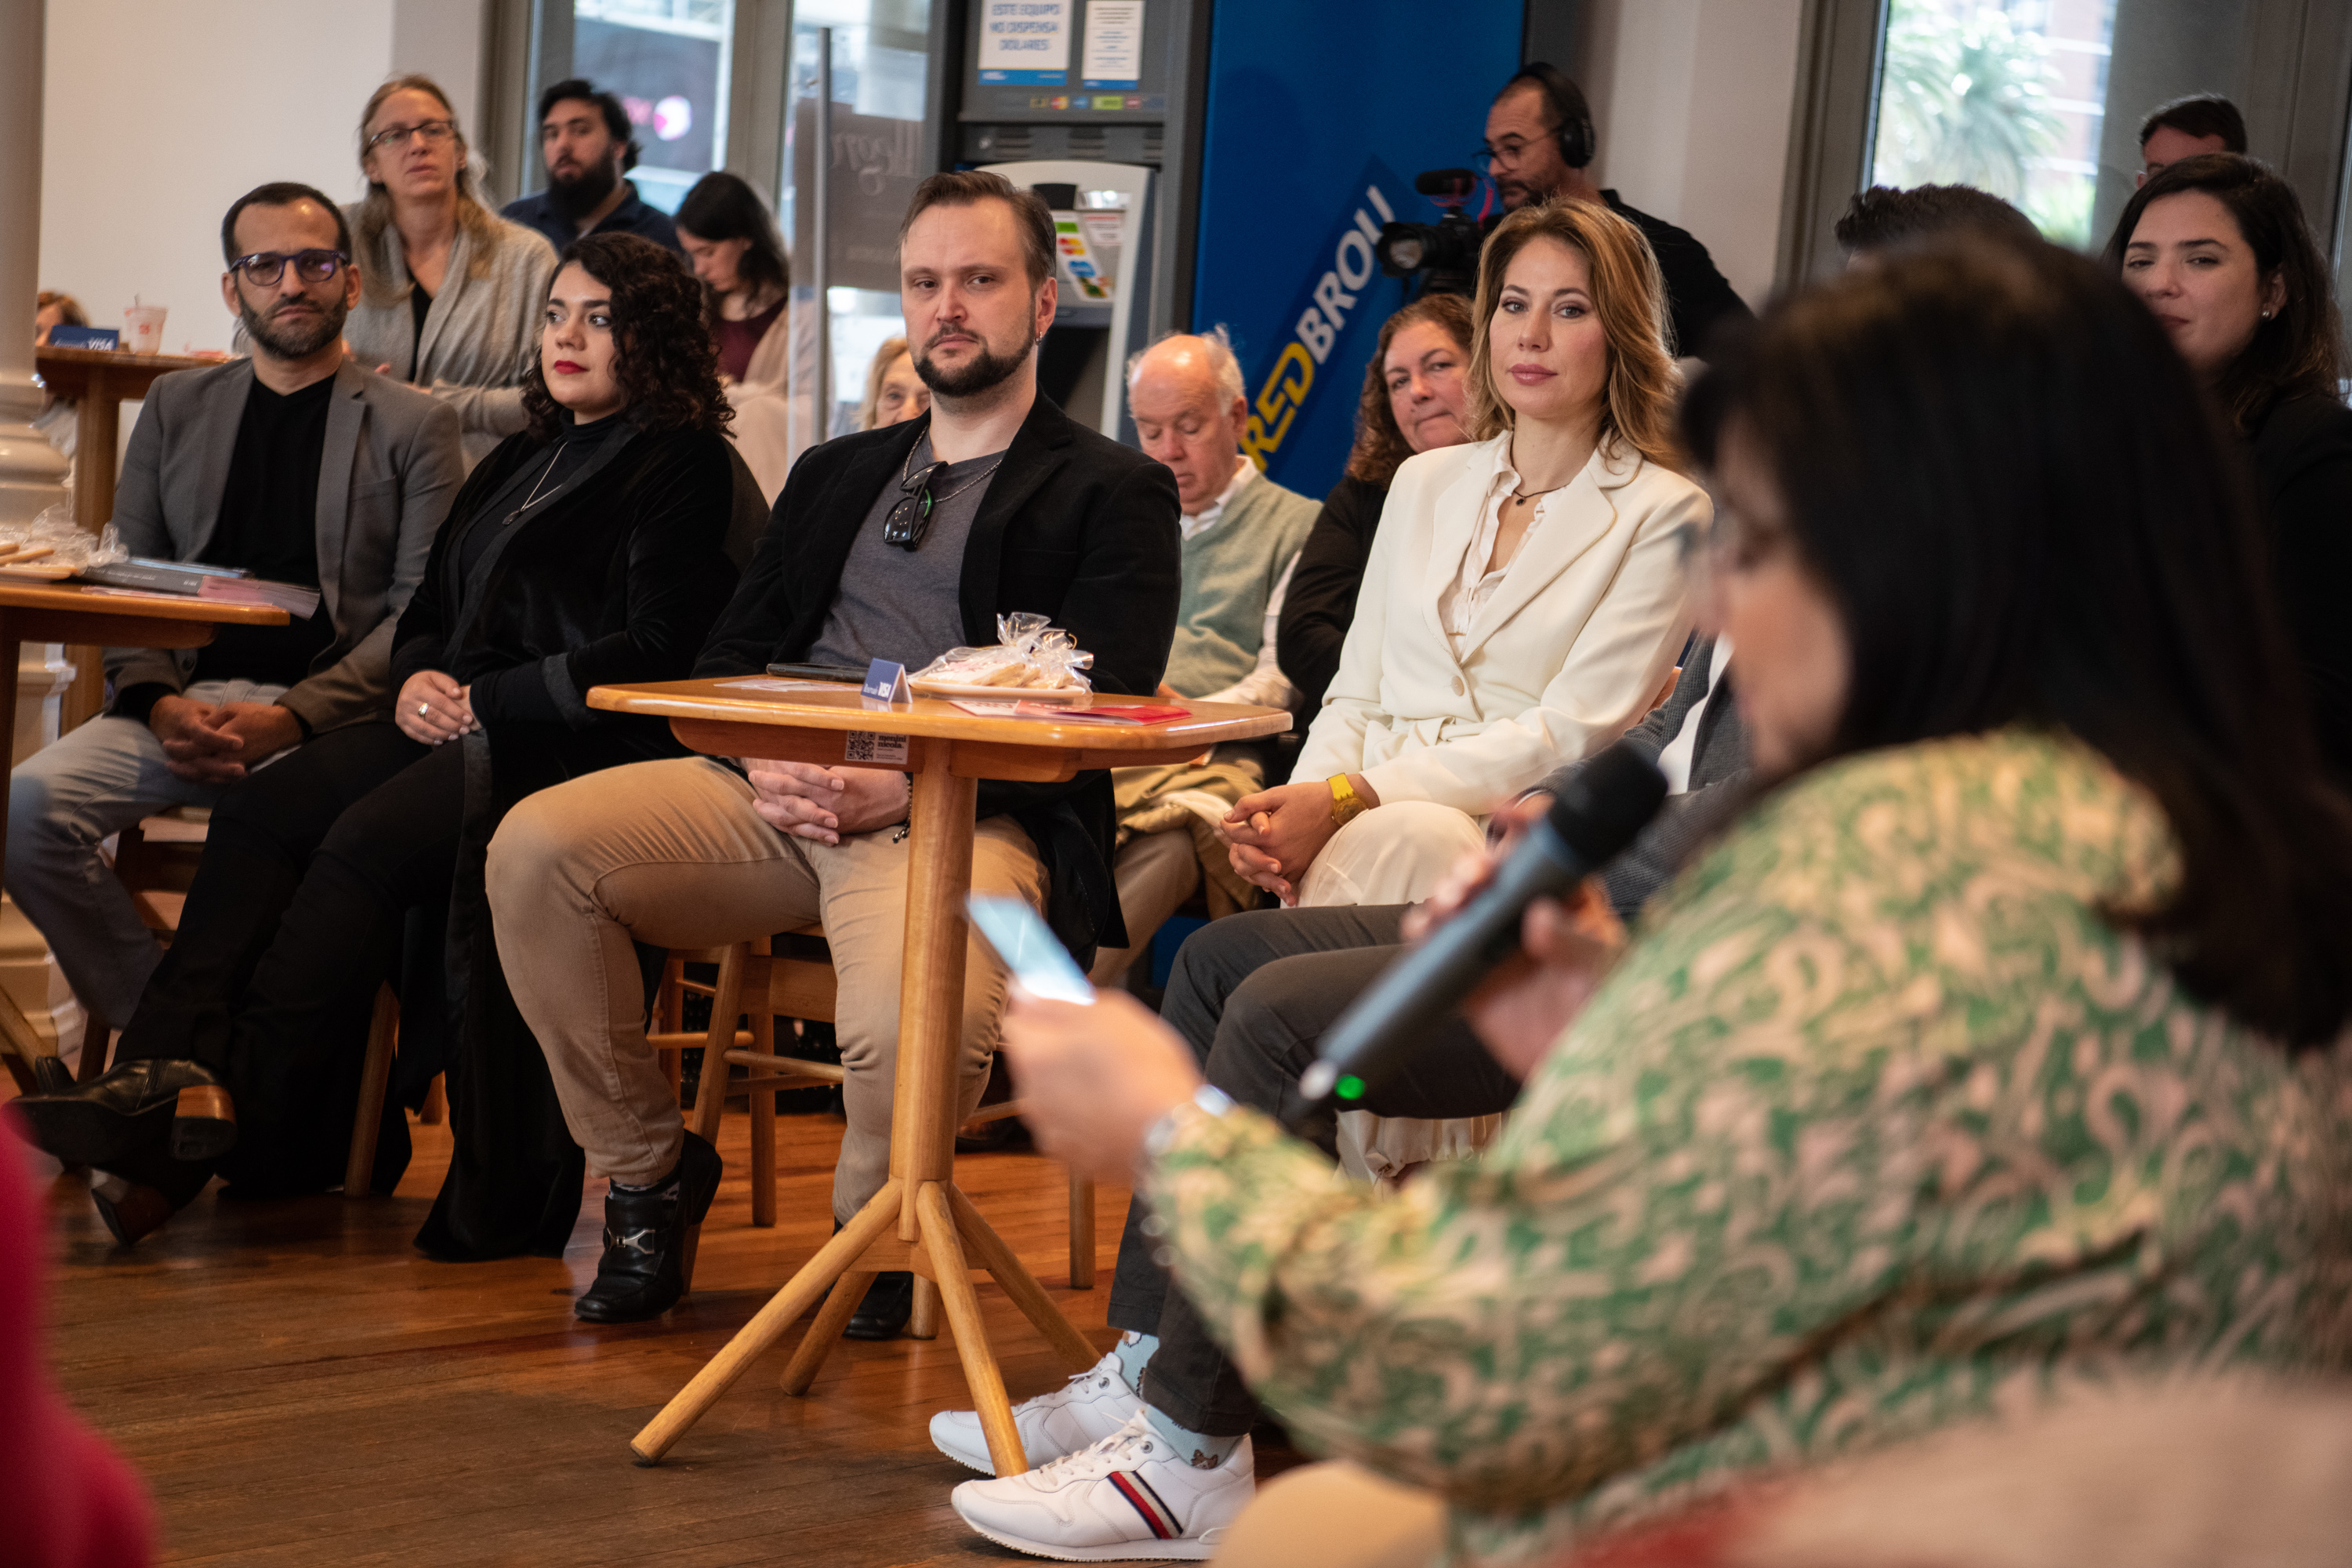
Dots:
pixel 910 517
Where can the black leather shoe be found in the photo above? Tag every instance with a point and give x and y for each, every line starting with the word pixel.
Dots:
pixel 156 1104
pixel 649 1241
pixel 51 1075
pixel 144 1189
pixel 890 1302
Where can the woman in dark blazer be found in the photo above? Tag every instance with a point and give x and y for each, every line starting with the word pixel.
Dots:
pixel 1414 401
pixel 2218 248
pixel 589 548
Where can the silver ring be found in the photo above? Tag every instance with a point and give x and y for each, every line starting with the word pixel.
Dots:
pixel 423 709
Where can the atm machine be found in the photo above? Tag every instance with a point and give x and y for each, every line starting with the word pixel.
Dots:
pixel 1101 213
pixel 1092 103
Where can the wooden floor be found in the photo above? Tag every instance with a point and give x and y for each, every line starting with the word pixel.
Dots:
pixel 300 1387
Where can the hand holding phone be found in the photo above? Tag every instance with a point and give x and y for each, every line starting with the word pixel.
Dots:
pixel 1029 948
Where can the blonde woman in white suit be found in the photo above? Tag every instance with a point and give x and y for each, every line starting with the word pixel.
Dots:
pixel 1523 600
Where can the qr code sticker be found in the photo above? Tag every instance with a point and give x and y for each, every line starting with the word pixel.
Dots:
pixel 866 746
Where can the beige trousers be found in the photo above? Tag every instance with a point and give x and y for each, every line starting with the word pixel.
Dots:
pixel 671 853
pixel 1394 854
pixel 1155 874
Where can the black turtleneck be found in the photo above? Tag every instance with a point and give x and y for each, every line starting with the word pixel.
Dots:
pixel 521 692
pixel 545 474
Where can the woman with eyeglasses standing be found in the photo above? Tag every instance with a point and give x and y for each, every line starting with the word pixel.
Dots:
pixel 452 291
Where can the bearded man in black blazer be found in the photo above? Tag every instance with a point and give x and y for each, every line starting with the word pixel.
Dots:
pixel 1027 512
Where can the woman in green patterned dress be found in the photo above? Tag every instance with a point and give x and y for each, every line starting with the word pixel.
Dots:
pixel 1993 1048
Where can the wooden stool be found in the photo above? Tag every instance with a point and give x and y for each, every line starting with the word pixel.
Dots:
pixel 753 980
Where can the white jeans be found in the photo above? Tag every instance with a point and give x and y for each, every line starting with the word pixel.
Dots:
pixel 62 802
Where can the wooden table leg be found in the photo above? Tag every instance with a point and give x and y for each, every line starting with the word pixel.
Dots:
pixel 981 1375
pixel 767 1326
pixel 931 988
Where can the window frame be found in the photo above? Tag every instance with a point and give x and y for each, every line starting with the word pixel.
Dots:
pixel 2297 95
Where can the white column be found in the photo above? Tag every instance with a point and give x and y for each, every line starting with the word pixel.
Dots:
pixel 32 472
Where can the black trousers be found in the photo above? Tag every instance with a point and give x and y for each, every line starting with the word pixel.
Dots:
pixel 1253 996
pixel 292 922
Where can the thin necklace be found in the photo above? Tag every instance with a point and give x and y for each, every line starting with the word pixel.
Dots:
pixel 533 500
pixel 907 472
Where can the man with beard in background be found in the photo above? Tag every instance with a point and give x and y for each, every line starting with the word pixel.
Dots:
pixel 295 465
pixel 897 543
pixel 587 144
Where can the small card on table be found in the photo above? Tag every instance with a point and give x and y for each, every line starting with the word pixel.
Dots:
pixel 886 682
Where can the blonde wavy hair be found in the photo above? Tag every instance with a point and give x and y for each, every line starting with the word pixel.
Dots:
pixel 1629 296
pixel 372 217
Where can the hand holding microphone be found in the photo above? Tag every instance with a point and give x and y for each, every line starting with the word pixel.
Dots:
pixel 1598 814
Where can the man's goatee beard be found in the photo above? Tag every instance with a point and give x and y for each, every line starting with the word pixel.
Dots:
pixel 293 345
pixel 987 369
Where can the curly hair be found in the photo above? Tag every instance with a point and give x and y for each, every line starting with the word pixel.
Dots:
pixel 1380 445
pixel 665 359
pixel 1629 296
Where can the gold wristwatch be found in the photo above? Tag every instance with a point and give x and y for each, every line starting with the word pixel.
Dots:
pixel 1346 804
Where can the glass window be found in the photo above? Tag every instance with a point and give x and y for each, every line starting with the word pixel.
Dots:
pixel 2040 101
pixel 872 146
pixel 668 60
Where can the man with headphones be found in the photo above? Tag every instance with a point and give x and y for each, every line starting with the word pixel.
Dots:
pixel 1539 140
pixel 588 145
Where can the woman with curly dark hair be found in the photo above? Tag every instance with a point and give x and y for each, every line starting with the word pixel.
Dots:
pixel 589 548
pixel 1415 400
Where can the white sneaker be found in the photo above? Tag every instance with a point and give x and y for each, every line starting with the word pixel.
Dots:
pixel 1092 1406
pixel 1129 1499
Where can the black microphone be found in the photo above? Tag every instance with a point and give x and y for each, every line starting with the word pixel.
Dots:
pixel 1609 801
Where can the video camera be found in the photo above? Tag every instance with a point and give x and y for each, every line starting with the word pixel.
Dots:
pixel 1445 253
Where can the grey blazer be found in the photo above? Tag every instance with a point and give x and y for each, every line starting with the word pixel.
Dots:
pixel 391 466
pixel 1718 758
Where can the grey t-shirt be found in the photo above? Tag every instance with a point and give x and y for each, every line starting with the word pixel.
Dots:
pixel 903 604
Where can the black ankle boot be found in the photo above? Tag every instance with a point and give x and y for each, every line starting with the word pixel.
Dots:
pixel 890 1302
pixel 138 1192
pixel 151 1106
pixel 649 1240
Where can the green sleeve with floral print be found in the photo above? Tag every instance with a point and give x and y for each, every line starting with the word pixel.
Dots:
pixel 1878 1123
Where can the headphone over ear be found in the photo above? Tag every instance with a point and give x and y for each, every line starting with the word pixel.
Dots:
pixel 1572 116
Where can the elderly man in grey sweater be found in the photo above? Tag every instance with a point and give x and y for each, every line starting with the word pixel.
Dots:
pixel 1242 533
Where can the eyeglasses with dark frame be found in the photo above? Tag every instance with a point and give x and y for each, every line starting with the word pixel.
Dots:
pixel 910 517
pixel 434 132
pixel 263 268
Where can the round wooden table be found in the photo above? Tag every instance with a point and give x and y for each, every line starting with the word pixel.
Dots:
pixel 68 613
pixel 920 1221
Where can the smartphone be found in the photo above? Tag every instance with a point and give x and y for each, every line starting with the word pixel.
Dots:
pixel 1029 948
pixel 819 672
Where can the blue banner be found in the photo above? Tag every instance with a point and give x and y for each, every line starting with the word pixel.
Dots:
pixel 1318 115
pixel 1335 320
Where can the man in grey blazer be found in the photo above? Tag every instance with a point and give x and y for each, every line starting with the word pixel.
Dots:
pixel 1254 994
pixel 296 464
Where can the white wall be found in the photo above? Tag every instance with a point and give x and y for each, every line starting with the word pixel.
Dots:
pixel 159 113
pixel 1692 99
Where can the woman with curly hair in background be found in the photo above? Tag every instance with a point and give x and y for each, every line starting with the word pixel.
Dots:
pixel 589 547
